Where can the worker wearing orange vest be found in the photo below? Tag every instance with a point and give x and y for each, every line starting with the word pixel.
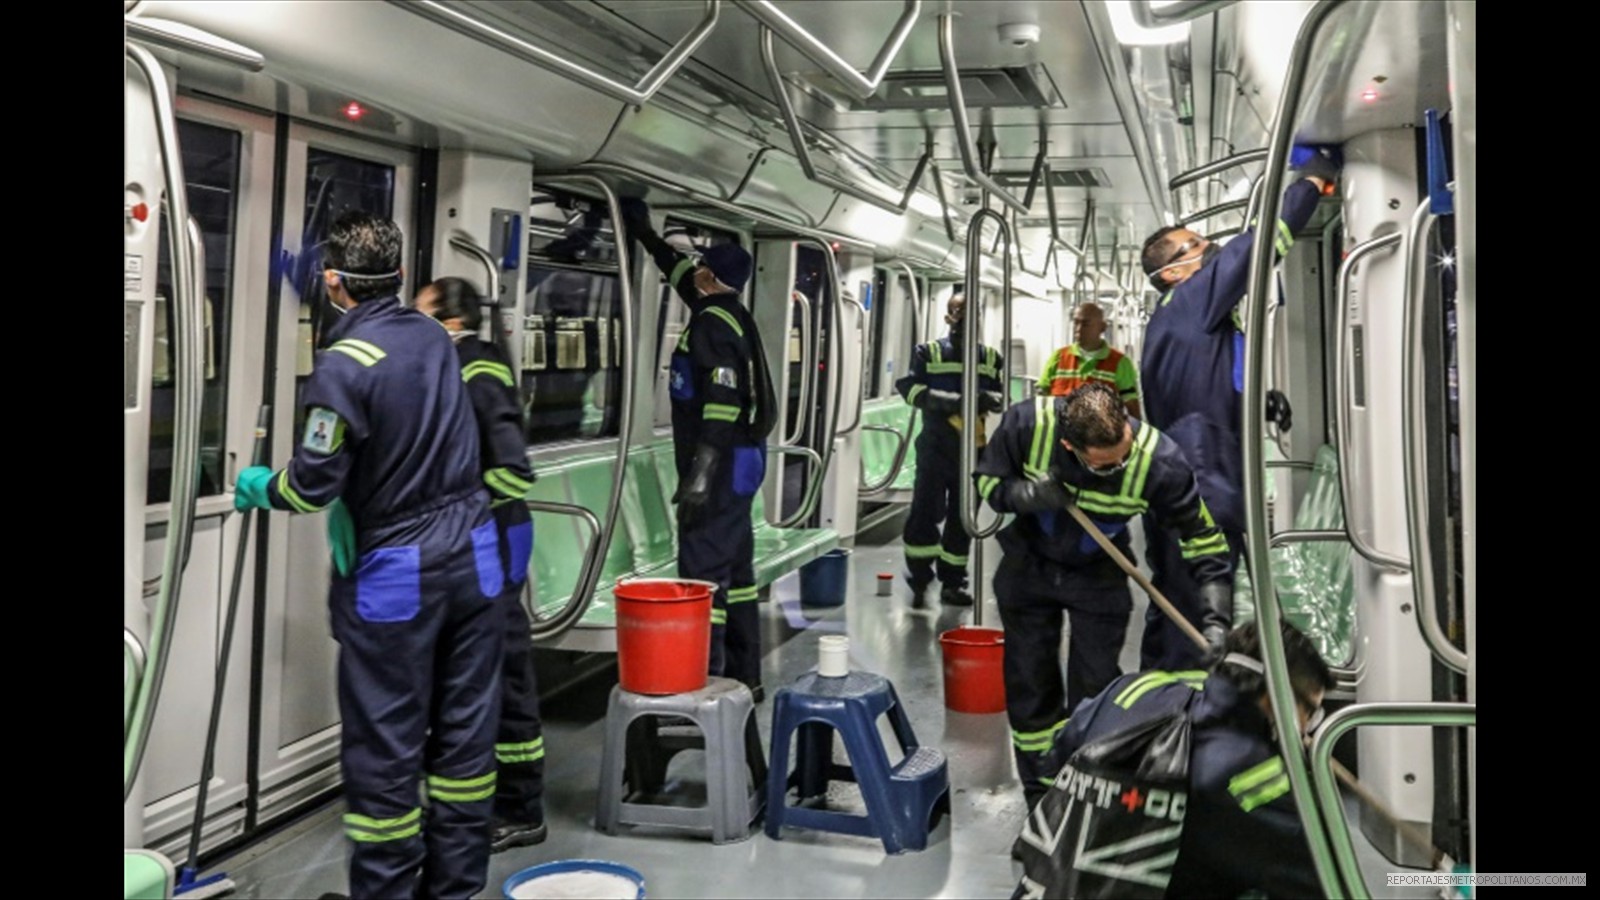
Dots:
pixel 1090 358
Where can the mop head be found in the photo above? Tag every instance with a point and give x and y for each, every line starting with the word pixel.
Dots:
pixel 212 886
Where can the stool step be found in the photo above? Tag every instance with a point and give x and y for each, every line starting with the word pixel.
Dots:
pixel 925 762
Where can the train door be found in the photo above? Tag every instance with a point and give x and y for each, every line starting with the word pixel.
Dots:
pixel 324 175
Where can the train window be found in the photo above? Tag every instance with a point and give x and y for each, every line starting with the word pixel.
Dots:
pixel 211 173
pixel 673 316
pixel 335 184
pixel 571 354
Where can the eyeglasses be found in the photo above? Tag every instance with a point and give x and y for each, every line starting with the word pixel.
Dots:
pixel 1101 471
pixel 1187 246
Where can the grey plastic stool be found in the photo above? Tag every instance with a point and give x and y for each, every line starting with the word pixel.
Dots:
pixel 637 752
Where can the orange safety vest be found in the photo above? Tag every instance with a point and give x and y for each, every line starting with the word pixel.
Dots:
pixel 1067 376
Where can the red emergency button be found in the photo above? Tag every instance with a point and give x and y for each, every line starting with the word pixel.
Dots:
pixel 139 212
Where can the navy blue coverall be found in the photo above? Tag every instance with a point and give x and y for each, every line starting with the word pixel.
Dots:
pixel 718 378
pixel 390 431
pixel 519 746
pixel 1241 830
pixel 935 497
pixel 1051 564
pixel 1193 375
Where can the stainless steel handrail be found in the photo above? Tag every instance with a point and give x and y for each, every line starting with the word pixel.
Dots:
pixel 190 371
pixel 861 327
pixel 797 37
pixel 1306 536
pixel 1175 12
pixel 1284 712
pixel 191 40
pixel 808 500
pixel 1211 168
pixel 808 370
pixel 1210 211
pixel 133 655
pixel 1342 399
pixel 1413 407
pixel 492 268
pixel 589 578
pixel 814 484
pixel 958 111
pixel 637 94
pixel 571 613
pixel 902 442
pixel 791 123
pixel 971 335
pixel 1327 789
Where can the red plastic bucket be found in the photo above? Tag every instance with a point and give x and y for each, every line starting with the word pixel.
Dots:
pixel 974 669
pixel 663 634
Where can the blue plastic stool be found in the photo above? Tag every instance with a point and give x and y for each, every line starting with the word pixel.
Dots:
pixel 903 801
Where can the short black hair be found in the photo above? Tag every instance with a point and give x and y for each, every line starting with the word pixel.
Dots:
pixel 458 299
pixel 1093 416
pixel 1308 672
pixel 360 245
pixel 1158 249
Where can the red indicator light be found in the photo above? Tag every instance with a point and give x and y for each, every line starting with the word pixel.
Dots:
pixel 354 111
pixel 1370 94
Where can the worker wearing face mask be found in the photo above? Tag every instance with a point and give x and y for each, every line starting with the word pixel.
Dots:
pixel 1192 374
pixel 723 408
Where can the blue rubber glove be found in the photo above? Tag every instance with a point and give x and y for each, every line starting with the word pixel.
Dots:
pixel 342 538
pixel 250 491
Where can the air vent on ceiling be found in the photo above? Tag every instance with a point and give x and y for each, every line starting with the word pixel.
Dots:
pixel 1012 87
pixel 1067 178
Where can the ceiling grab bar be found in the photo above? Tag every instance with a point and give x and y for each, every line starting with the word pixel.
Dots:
pixel 971 418
pixel 808 368
pixel 185 251
pixel 958 111
pixel 191 40
pixel 1342 399
pixel 1211 168
pixel 1268 612
pixel 847 75
pixel 1322 773
pixel 589 576
pixel 637 94
pixel 791 123
pixel 1210 211
pixel 1174 12
pixel 1413 415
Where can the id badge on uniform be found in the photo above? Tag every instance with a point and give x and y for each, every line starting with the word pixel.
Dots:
pixel 322 431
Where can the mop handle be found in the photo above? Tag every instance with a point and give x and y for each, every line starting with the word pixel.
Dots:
pixel 1134 573
pixel 208 761
pixel 1406 829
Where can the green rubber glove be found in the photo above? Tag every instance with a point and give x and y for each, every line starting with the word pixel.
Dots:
pixel 342 538
pixel 250 491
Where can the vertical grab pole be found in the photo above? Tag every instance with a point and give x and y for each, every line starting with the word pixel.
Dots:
pixel 1270 615
pixel 971 333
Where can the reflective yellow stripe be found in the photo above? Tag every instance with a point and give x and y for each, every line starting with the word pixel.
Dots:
pixel 920 551
pixel 503 481
pixel 741 595
pixel 986 485
pixel 952 559
pixel 1269 792
pixel 1035 741
pixel 288 493
pixel 521 752
pixel 1255 776
pixel 911 395
pixel 726 316
pixel 719 617
pixel 461 790
pixel 362 352
pixel 368 830
pixel 720 412
pixel 498 371
pixel 1144 684
pixel 683 265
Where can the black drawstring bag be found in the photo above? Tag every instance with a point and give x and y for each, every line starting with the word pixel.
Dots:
pixel 1109 825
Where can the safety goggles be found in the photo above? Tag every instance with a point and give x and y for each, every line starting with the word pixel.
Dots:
pixel 1177 258
pixel 1102 471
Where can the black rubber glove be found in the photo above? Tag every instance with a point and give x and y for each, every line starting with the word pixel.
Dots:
pixel 1025 496
pixel 991 402
pixel 635 214
pixel 1216 614
pixel 939 401
pixel 1278 410
pixel 694 493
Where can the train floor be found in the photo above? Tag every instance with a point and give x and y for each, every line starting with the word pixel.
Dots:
pixel 968 853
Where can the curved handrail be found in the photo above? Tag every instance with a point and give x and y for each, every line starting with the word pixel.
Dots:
pixel 808 501
pixel 1211 168
pixel 821 54
pixel 969 371
pixel 132 655
pixel 468 246
pixel 189 39
pixel 1284 714
pixel 1413 415
pixel 637 94
pixel 958 111
pixel 1322 774
pixel 791 123
pixel 902 442
pixel 837 333
pixel 808 369
pixel 189 364
pixel 1342 400
pixel 576 606
pixel 1208 212
pixel 861 327
pixel 589 577
pixel 1175 12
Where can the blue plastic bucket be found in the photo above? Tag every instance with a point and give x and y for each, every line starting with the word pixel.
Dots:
pixel 589 878
pixel 825 580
